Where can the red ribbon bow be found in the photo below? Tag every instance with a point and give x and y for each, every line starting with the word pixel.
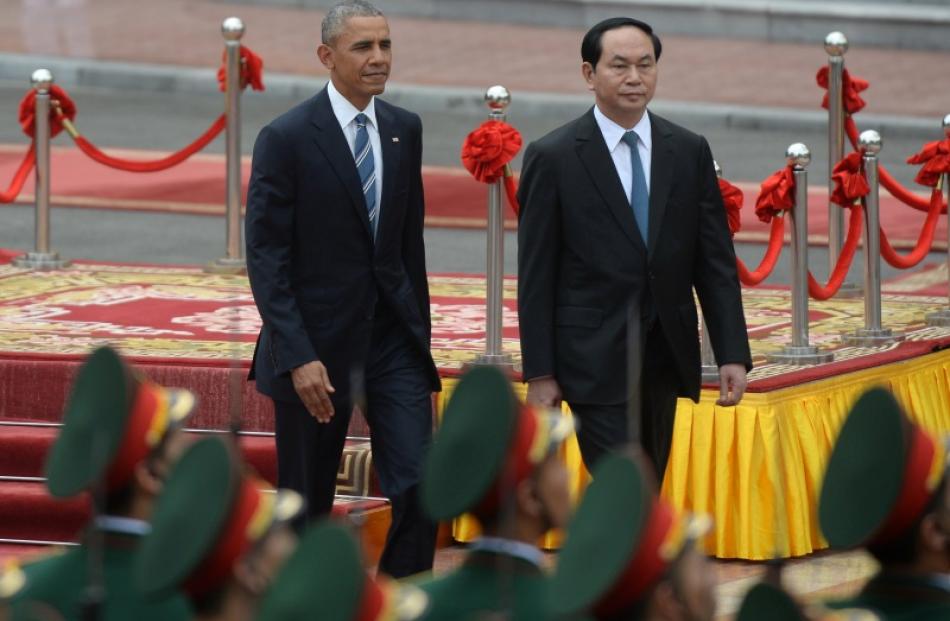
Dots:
pixel 57 96
pixel 252 71
pixel 732 199
pixel 935 157
pixel 849 180
pixel 777 194
pixel 489 148
pixel 851 87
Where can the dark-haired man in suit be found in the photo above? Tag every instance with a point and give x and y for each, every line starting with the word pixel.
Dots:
pixel 336 262
pixel 622 204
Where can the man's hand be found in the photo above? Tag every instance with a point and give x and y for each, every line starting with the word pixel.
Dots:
pixel 732 384
pixel 544 391
pixel 313 387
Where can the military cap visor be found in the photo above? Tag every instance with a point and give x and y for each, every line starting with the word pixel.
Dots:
pixel 326 573
pixel 210 514
pixel 113 420
pixel 488 442
pixel 882 473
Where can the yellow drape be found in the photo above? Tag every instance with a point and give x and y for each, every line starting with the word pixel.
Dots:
pixel 757 468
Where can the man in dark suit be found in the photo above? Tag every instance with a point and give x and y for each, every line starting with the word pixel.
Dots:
pixel 336 262
pixel 622 205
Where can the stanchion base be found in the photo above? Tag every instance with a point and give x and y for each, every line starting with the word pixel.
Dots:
pixel 939 318
pixel 801 356
pixel 849 290
pixel 226 265
pixel 495 360
pixel 41 261
pixel 873 338
pixel 710 374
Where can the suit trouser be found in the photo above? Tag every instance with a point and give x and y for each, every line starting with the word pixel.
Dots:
pixel 399 413
pixel 603 428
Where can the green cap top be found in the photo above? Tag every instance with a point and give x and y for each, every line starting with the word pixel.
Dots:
pixel 765 601
pixel 325 573
pixel 482 431
pixel 865 471
pixel 603 535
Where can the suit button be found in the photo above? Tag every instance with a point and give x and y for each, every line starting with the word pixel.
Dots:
pixel 369 317
pixel 652 276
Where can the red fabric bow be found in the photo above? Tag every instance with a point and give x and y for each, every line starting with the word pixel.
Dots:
pixel 732 199
pixel 57 96
pixel 935 157
pixel 849 180
pixel 777 195
pixel 489 148
pixel 850 89
pixel 252 71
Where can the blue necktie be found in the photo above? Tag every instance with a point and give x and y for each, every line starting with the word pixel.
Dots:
pixel 363 154
pixel 639 195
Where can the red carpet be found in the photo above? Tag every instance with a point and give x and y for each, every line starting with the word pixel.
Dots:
pixel 453 198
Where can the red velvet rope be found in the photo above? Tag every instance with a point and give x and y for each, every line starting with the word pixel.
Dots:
pixel 851 89
pixel 16 186
pixel 252 71
pixel 840 272
pixel 511 190
pixel 896 189
pixel 732 199
pixel 776 240
pixel 155 165
pixel 924 242
pixel 60 106
pixel 935 157
pixel 850 184
pixel 487 152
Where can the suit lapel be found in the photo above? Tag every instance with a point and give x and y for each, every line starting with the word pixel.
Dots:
pixel 389 133
pixel 661 177
pixel 593 153
pixel 330 139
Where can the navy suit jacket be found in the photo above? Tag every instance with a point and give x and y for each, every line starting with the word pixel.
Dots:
pixel 316 273
pixel 582 259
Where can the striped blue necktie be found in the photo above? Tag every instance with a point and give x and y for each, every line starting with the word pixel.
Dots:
pixel 639 194
pixel 365 165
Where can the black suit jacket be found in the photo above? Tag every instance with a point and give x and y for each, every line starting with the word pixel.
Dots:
pixel 315 271
pixel 581 260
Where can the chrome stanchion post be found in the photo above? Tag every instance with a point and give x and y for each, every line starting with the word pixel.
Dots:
pixel 232 29
pixel 942 317
pixel 873 333
pixel 800 352
pixel 42 258
pixel 836 45
pixel 710 369
pixel 498 98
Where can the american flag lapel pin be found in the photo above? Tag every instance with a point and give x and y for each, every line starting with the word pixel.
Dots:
pixel 395 138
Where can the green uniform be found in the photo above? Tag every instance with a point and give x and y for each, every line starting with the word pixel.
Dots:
pixel 61 580
pixel 903 598
pixel 486 583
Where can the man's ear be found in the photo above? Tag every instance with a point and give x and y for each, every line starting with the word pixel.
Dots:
pixel 933 537
pixel 250 579
pixel 325 54
pixel 146 478
pixel 665 603
pixel 526 494
pixel 587 71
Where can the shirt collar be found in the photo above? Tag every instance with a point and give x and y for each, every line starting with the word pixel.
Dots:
pixel 345 112
pixel 613 132
pixel 510 547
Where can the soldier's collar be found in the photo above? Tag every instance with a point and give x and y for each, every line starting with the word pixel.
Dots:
pixel 122 525
pixel 510 547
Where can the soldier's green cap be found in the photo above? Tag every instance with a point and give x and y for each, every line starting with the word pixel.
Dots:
pixel 766 601
pixel 114 417
pixel 325 573
pixel 603 535
pixel 488 441
pixel 882 472
pixel 209 515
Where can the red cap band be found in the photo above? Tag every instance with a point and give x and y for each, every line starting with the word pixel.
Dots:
pixel 134 446
pixel 914 494
pixel 372 601
pixel 517 466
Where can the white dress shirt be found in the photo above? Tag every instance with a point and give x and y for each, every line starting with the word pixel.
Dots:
pixel 345 113
pixel 620 152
